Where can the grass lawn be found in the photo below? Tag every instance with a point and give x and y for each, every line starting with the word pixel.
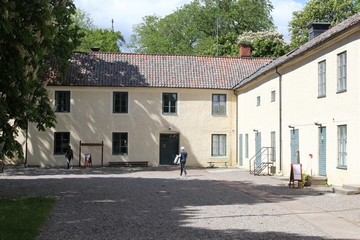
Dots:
pixel 23 217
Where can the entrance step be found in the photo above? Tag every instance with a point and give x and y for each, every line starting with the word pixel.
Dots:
pixel 319 180
pixel 348 189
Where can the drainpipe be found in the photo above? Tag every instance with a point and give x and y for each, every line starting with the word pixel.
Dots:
pixel 280 118
pixel 236 131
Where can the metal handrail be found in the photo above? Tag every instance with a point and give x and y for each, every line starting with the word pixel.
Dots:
pixel 260 152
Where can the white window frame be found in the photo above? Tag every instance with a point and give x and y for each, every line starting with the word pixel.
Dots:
pixel 218 145
pixel 322 79
pixel 341 72
pixel 342 146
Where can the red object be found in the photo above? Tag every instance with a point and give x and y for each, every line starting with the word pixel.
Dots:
pixel 310 155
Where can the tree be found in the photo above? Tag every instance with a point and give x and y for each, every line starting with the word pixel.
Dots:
pixel 264 44
pixel 91 36
pixel 36 42
pixel 202 27
pixel 332 11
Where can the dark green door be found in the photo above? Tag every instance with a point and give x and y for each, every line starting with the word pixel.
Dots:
pixel 169 147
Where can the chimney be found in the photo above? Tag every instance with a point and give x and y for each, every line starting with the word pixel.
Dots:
pixel 317 28
pixel 245 50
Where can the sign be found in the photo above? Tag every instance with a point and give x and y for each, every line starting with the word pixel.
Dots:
pixel 88 159
pixel 295 174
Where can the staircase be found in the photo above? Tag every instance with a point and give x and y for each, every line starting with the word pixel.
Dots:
pixel 264 155
pixel 347 189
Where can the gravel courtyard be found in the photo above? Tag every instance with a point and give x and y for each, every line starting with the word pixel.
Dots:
pixel 156 203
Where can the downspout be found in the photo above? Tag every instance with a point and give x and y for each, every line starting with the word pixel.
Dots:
pixel 236 131
pixel 280 119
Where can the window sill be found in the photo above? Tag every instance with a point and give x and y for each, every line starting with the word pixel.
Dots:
pixel 321 96
pixel 341 91
pixel 342 167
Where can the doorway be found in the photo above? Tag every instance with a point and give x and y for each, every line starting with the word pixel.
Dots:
pixel 169 147
pixel 322 151
pixel 294 145
pixel 258 158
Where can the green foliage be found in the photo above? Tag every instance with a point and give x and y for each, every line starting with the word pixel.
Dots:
pixel 36 42
pixel 91 36
pixel 264 44
pixel 204 27
pixel 106 40
pixel 332 11
pixel 22 218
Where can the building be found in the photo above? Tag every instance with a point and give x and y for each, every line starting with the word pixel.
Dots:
pixel 304 105
pixel 301 107
pixel 136 107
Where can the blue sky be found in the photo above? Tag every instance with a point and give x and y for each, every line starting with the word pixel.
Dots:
pixel 127 13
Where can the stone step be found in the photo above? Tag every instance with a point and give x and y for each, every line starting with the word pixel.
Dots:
pixel 319 181
pixel 346 191
pixel 354 187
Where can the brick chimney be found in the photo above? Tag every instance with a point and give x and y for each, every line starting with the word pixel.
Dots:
pixel 317 28
pixel 245 50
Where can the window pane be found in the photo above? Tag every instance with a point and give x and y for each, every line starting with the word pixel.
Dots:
pixel 120 102
pixel 219 104
pixel 342 145
pixel 341 86
pixel 120 144
pixel 218 145
pixel 62 101
pixel 322 79
pixel 169 102
pixel 61 142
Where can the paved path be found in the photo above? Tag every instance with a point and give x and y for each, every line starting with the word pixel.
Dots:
pixel 155 203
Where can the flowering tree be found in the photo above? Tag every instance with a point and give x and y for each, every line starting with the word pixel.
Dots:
pixel 37 39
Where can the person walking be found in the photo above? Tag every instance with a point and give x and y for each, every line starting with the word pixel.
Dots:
pixel 183 156
pixel 69 156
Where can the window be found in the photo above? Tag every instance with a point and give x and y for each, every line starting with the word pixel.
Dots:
pixel 219 104
pixel 273 96
pixel 246 145
pixel 322 79
pixel 341 74
pixel 62 101
pixel 120 143
pixel 218 145
pixel 273 144
pixel 169 102
pixel 61 142
pixel 342 142
pixel 258 101
pixel 120 102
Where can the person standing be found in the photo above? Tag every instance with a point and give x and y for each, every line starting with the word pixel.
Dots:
pixel 69 156
pixel 183 156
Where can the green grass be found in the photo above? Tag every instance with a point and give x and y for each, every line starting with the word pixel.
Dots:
pixel 23 217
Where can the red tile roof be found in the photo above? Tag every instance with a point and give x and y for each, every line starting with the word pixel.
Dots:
pixel 155 70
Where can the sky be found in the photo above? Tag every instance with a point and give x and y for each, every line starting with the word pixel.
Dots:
pixel 127 13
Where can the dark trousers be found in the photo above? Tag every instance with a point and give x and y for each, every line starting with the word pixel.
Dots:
pixel 68 163
pixel 183 169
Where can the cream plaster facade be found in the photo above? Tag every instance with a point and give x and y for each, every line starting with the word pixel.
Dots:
pixel 91 120
pixel 298 105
